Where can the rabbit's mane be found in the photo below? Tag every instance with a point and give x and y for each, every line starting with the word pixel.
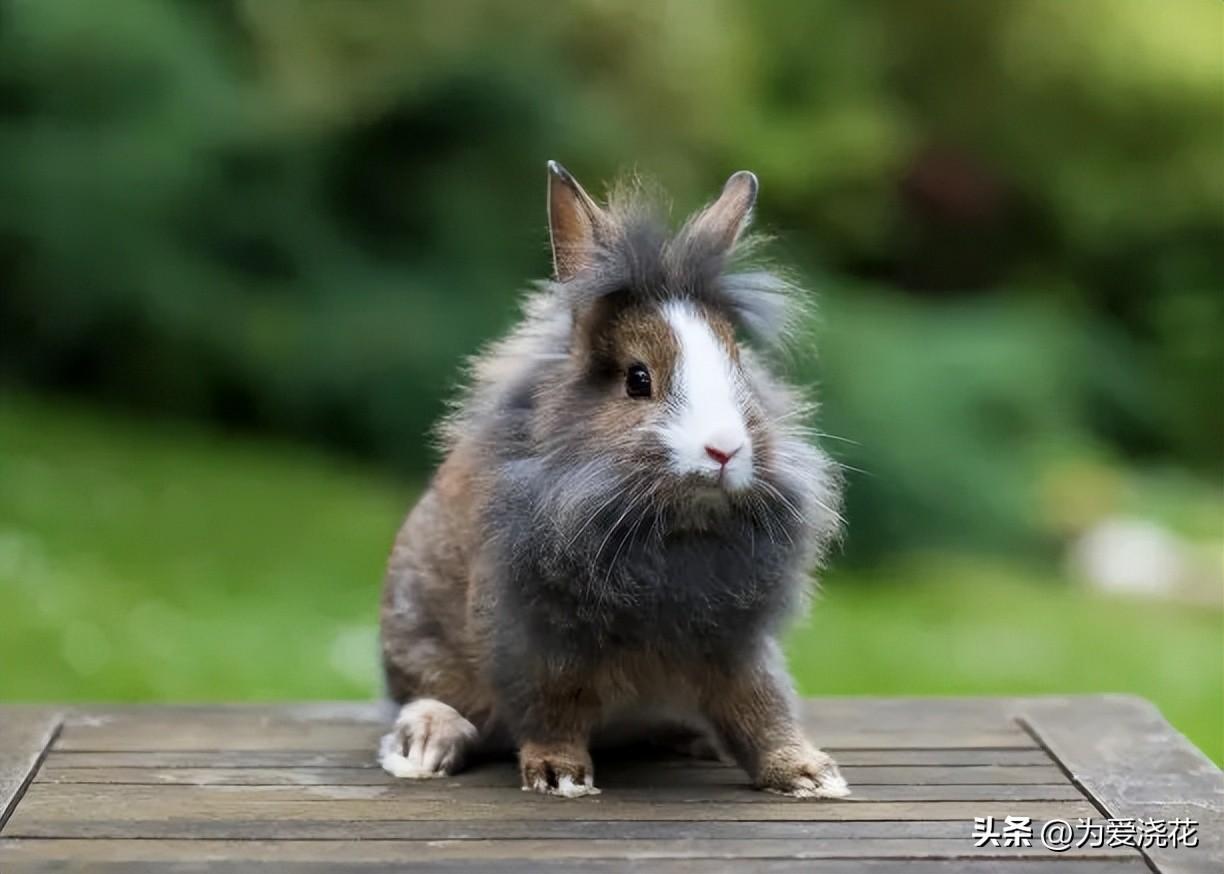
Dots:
pixel 614 549
pixel 639 257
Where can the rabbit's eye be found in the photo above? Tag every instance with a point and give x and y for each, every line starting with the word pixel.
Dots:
pixel 637 381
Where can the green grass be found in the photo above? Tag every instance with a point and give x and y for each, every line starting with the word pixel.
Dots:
pixel 942 626
pixel 145 561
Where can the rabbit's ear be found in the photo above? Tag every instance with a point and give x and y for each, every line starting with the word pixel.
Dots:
pixel 574 223
pixel 725 219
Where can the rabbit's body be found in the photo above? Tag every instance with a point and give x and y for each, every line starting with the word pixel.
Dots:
pixel 627 512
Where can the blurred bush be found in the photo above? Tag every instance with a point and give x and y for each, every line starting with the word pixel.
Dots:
pixel 300 215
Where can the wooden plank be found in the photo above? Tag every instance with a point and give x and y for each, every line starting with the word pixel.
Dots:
pixel 364 758
pixel 419 792
pixel 428 791
pixel 25 735
pixel 184 851
pixel 1134 764
pixel 374 711
pixel 507 829
pixel 166 730
pixel 603 866
pixel 983 713
pixel 899 714
pixel 490 829
pixel 158 730
pixel 75 804
pixel 610 777
pixel 323 737
pixel 837 723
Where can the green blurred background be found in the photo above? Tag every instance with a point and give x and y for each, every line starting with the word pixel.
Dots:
pixel 245 245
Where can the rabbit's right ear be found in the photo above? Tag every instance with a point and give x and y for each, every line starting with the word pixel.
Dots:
pixel 575 221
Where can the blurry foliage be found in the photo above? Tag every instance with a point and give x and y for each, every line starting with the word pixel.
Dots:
pixel 949 413
pixel 300 215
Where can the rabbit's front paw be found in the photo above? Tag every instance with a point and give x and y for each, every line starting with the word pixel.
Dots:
pixel 429 740
pixel 554 769
pixel 801 772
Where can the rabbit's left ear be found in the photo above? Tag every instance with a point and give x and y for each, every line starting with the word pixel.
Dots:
pixel 575 222
pixel 726 218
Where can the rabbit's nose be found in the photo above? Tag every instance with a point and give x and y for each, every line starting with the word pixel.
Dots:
pixel 721 455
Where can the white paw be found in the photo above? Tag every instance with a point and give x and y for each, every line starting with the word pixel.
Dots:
pixel 803 772
pixel 829 786
pixel 567 787
pixel 429 740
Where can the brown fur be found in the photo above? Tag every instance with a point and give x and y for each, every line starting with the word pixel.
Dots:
pixel 431 647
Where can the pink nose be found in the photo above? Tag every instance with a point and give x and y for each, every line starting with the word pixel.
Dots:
pixel 718 455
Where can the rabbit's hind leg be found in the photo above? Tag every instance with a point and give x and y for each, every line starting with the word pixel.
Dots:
pixel 429 739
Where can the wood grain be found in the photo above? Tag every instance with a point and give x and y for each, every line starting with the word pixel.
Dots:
pixel 25 734
pixel 266 729
pixel 1134 764
pixel 531 848
pixel 295 788
pixel 493 829
pixel 406 793
pixel 46 802
pixel 610 777
pixel 365 758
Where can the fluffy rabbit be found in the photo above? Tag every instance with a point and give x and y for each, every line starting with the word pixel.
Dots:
pixel 628 510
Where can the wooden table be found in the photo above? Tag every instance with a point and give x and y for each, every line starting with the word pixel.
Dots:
pixel 295 788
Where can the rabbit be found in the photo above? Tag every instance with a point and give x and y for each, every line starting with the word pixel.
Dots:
pixel 628 510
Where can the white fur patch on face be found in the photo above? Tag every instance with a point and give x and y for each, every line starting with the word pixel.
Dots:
pixel 705 429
